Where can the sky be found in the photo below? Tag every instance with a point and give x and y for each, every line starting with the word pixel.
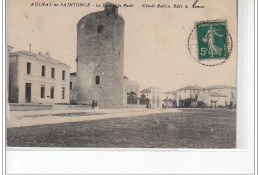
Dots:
pixel 156 52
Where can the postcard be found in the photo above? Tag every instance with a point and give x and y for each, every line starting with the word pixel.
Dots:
pixel 122 74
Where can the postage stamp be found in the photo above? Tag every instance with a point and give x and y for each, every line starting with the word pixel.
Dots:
pixel 210 43
pixel 212 40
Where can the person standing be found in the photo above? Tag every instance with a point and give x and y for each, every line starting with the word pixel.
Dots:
pixel 96 104
pixel 93 104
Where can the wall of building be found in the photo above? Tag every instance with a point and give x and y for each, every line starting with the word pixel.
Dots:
pixel 185 94
pixel 155 97
pixel 101 53
pixel 13 80
pixel 207 99
pixel 167 96
pixel 231 94
pixel 36 80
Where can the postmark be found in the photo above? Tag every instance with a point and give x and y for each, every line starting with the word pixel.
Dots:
pixel 210 43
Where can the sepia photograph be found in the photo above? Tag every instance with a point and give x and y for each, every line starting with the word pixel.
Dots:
pixel 122 74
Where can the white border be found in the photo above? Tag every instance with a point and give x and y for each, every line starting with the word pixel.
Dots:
pixel 239 161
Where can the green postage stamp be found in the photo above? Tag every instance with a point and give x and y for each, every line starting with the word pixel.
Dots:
pixel 212 38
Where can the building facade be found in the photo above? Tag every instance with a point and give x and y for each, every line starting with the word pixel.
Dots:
pixel 37 78
pixel 212 99
pixel 188 92
pixel 211 96
pixel 154 96
pixel 168 98
pixel 100 58
pixel 229 91
pixel 168 95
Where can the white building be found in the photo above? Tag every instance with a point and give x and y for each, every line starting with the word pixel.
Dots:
pixel 212 96
pixel 188 92
pixel 168 95
pixel 154 95
pixel 212 99
pixel 229 91
pixel 37 78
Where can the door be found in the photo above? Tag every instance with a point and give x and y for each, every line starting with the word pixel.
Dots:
pixel 28 92
pixel 231 104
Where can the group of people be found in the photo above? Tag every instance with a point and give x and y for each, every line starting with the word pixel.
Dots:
pixel 94 104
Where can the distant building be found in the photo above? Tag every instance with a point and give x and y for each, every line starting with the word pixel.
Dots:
pixel 168 98
pixel 133 86
pixel 37 78
pixel 229 91
pixel 211 99
pixel 168 95
pixel 211 96
pixel 153 94
pixel 188 92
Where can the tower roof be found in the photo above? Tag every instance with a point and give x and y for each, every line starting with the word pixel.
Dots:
pixel 110 9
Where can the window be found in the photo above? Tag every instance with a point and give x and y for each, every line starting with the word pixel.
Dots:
pixel 63 92
pixel 70 85
pixel 52 72
pixel 43 71
pixel 42 91
pixel 63 75
pixel 100 28
pixel 97 80
pixel 52 92
pixel 28 68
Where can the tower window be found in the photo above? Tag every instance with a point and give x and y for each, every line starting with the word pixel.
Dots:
pixel 100 28
pixel 97 80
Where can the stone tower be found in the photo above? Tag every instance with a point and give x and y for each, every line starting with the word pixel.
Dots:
pixel 100 58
